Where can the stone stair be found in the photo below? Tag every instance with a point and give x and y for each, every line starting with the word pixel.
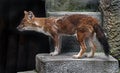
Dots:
pixel 64 63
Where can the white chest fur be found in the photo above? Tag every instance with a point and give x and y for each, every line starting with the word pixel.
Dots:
pixel 41 30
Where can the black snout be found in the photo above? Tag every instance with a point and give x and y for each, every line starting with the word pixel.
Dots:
pixel 18 27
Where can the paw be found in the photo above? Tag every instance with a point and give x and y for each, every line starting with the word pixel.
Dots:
pixel 54 53
pixel 76 56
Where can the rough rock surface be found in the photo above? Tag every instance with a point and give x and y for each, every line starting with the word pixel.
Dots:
pixel 111 18
pixel 64 63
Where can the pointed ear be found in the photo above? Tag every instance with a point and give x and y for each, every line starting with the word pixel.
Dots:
pixel 25 12
pixel 30 15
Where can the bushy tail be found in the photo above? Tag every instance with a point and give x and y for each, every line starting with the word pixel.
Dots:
pixel 102 39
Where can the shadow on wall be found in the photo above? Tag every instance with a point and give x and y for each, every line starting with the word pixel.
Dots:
pixel 18 49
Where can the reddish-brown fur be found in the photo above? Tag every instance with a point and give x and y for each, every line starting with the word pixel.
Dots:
pixel 79 24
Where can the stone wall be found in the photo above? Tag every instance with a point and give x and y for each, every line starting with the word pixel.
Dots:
pixel 111 17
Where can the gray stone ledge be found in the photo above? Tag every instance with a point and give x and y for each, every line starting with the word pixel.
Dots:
pixel 64 63
pixel 67 12
pixel 71 5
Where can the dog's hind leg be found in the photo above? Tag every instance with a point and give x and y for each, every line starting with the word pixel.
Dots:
pixel 93 47
pixel 82 50
pixel 81 39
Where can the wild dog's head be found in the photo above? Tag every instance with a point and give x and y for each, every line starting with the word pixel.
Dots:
pixel 29 22
pixel 32 23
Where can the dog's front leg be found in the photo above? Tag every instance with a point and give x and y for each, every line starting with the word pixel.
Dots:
pixel 57 50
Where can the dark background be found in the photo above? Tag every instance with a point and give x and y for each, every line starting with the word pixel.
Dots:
pixel 18 49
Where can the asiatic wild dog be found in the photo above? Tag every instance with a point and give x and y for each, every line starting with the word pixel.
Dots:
pixel 83 26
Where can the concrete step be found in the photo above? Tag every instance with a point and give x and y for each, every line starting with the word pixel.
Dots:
pixel 64 63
